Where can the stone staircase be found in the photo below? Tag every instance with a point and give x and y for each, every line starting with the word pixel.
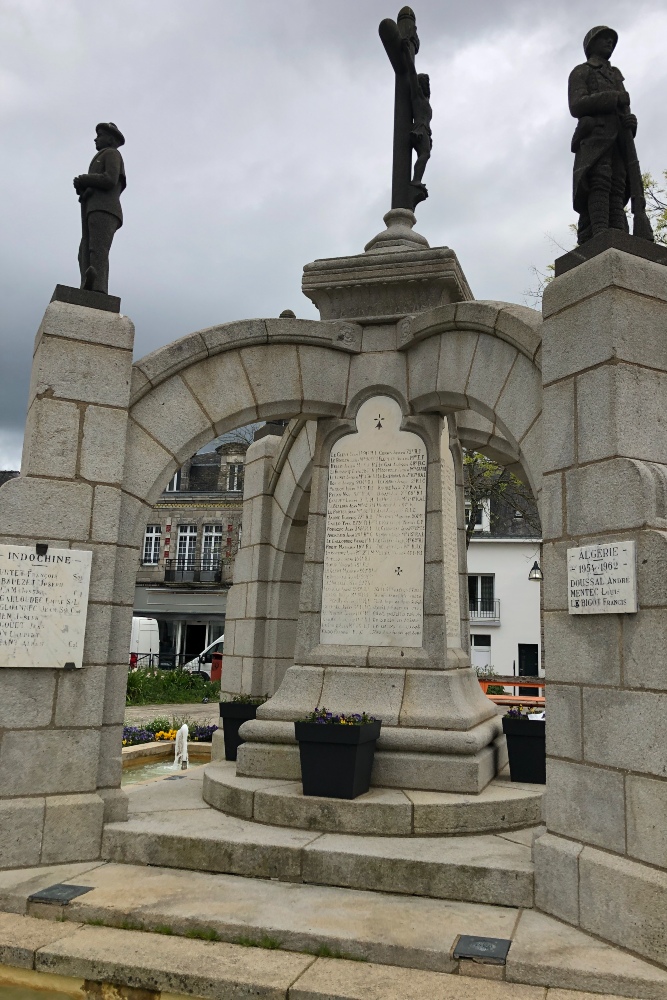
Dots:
pixel 174 829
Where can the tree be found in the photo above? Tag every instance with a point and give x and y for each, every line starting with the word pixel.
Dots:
pixel 496 488
pixel 656 205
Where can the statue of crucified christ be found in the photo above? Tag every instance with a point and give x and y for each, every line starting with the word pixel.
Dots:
pixel 412 111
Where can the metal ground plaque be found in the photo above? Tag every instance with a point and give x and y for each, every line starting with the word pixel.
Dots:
pixel 43 606
pixel 602 579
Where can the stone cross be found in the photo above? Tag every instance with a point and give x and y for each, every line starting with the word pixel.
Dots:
pixel 401 42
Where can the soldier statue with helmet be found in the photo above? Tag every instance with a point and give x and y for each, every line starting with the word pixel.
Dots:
pixel 606 168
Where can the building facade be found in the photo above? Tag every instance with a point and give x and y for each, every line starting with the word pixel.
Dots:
pixel 504 604
pixel 187 555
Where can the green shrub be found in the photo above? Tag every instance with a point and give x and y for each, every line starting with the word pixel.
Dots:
pixel 150 686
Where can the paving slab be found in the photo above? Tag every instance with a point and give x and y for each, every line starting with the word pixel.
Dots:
pixel 17 884
pixel 413 932
pixel 172 964
pixel 485 869
pixel 20 938
pixel 180 791
pixel 546 952
pixel 329 979
pixel 201 713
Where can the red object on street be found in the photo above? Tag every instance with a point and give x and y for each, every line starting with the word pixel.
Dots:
pixel 216 667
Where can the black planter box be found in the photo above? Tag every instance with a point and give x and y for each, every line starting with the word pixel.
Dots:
pixel 336 761
pixel 526 748
pixel 233 715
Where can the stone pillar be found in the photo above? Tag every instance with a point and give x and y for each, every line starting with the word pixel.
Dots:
pixel 602 865
pixel 61 731
pixel 263 604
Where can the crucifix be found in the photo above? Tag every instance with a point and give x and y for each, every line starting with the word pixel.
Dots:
pixel 412 110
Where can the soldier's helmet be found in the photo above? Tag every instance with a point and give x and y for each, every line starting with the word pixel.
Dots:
pixel 593 34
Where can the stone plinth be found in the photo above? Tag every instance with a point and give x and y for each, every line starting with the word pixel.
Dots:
pixel 603 863
pixel 399 274
pixel 61 729
pixel 501 806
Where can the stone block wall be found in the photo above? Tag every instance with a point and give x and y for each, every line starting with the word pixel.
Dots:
pixel 263 604
pixel 603 863
pixel 61 732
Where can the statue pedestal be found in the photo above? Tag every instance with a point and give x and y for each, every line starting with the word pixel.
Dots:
pixel 398 274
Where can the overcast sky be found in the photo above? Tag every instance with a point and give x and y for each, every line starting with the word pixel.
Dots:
pixel 258 138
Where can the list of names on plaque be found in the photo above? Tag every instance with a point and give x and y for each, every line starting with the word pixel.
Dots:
pixel 43 606
pixel 602 579
pixel 373 588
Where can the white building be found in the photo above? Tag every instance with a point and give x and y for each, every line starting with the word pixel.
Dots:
pixel 504 604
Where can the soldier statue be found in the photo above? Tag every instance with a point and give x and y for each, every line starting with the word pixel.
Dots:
pixel 606 168
pixel 99 192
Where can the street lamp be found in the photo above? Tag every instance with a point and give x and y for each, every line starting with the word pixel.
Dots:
pixel 536 573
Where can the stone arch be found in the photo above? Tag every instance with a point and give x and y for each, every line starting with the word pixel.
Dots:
pixel 477 360
pixel 481 360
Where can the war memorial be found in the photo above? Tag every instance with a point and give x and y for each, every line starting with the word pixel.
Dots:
pixel 350 592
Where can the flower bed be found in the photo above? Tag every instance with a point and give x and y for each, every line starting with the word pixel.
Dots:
pixel 164 730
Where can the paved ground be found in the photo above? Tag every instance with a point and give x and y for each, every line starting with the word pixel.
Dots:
pixel 201 713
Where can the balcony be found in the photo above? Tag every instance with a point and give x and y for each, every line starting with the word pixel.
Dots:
pixel 207 570
pixel 485 611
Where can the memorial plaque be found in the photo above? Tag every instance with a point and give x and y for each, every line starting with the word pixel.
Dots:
pixel 602 579
pixel 373 588
pixel 43 606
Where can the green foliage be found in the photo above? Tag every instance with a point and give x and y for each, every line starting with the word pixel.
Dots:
pixel 324 951
pixel 489 674
pixel 656 205
pixel 163 929
pixel 488 485
pixel 264 942
pixel 150 686
pixel 250 699
pixel 203 934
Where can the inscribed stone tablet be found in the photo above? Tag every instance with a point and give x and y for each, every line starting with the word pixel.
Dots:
pixel 43 606
pixel 602 579
pixel 373 589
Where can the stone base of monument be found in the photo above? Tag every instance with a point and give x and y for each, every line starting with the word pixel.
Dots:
pixel 380 811
pixel 439 731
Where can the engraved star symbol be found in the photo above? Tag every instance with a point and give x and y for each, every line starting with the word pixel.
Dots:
pixel 398 571
pixel 378 425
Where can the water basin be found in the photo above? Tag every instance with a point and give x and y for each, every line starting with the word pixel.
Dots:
pixel 144 768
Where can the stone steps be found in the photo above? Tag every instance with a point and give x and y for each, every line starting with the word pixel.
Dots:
pixel 501 806
pixel 170 826
pixel 484 869
pixel 402 945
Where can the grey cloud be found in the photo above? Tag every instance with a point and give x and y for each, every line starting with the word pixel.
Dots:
pixel 259 138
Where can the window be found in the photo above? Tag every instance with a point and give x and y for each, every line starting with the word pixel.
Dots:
pixel 187 544
pixel 480 651
pixel 235 477
pixel 481 596
pixel 152 545
pixel 482 515
pixel 211 546
pixel 174 484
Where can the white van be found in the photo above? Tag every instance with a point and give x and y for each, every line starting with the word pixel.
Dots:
pixel 206 655
pixel 144 642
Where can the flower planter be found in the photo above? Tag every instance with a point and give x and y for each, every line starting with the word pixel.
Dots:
pixel 336 761
pixel 233 715
pixel 526 748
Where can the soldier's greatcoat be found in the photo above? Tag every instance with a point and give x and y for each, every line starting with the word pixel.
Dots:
pixel 104 183
pixel 593 97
